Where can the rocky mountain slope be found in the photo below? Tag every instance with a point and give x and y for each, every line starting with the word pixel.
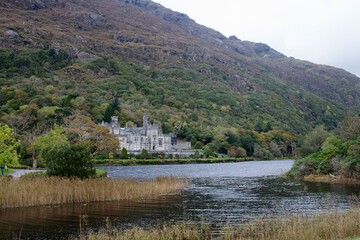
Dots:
pixel 142 58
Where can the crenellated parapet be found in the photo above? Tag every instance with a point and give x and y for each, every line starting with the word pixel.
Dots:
pixel 149 137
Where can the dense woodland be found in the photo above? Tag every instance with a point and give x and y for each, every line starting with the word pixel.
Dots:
pixel 336 152
pixel 35 95
pixel 230 96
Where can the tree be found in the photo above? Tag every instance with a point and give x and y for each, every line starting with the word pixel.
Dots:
pixel 124 154
pixel 8 145
pixel 108 114
pixel 247 142
pixel 354 150
pixel 208 152
pixel 53 139
pixel 268 127
pixel 198 145
pixel 67 160
pixel 144 154
pixel 258 153
pixel 314 140
pixel 115 104
pixel 162 155
pixel 275 150
pixel 83 130
pixel 236 152
pixel 197 154
pixel 350 128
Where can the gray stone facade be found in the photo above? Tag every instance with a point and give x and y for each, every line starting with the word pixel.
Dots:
pixel 149 137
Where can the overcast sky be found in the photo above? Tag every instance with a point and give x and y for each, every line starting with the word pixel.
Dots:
pixel 320 31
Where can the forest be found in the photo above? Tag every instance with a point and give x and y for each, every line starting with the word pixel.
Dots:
pixel 47 87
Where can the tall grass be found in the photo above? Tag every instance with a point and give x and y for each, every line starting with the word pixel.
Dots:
pixel 52 191
pixel 333 225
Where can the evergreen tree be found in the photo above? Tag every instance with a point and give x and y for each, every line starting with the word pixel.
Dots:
pixel 268 127
pixel 208 152
pixel 115 104
pixel 197 154
pixel 144 154
pixel 124 154
pixel 198 145
pixel 108 114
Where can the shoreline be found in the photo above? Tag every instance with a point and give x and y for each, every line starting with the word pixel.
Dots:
pixel 329 179
pixel 137 162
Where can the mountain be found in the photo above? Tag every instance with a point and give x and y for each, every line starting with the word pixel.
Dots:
pixel 65 57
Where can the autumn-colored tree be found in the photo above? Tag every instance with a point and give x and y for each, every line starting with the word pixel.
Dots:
pixel 82 129
pixel 236 152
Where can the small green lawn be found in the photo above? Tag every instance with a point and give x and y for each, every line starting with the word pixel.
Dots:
pixel 8 171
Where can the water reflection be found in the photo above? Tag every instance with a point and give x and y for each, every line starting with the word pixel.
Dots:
pixel 219 193
pixel 58 222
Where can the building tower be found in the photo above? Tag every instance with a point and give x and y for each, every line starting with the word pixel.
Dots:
pixel 145 121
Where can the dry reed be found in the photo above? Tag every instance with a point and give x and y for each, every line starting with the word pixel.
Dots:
pixel 333 225
pixel 54 190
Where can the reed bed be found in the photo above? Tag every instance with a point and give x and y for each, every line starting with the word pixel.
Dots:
pixel 54 190
pixel 333 225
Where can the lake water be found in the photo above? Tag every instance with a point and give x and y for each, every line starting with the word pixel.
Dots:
pixel 227 192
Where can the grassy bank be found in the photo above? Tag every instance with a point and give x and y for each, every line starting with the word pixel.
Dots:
pixel 120 162
pixel 323 226
pixel 330 179
pixel 52 191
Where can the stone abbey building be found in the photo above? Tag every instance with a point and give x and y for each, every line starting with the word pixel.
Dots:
pixel 149 137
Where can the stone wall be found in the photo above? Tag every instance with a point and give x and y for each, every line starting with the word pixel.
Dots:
pixel 149 137
pixel 181 153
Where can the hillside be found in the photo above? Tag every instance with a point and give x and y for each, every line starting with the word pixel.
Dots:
pixel 60 58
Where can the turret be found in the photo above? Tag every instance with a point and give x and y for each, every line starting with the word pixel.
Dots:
pixel 145 121
pixel 115 119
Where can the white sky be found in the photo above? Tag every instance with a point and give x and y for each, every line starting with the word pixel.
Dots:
pixel 320 31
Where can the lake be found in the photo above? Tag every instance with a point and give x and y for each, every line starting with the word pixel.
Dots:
pixel 226 192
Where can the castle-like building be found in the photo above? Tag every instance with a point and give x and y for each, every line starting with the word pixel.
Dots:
pixel 149 137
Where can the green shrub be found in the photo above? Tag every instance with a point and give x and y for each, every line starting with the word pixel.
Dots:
pixel 345 147
pixel 352 167
pixel 69 161
pixel 100 173
pixel 305 166
pixel 354 150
